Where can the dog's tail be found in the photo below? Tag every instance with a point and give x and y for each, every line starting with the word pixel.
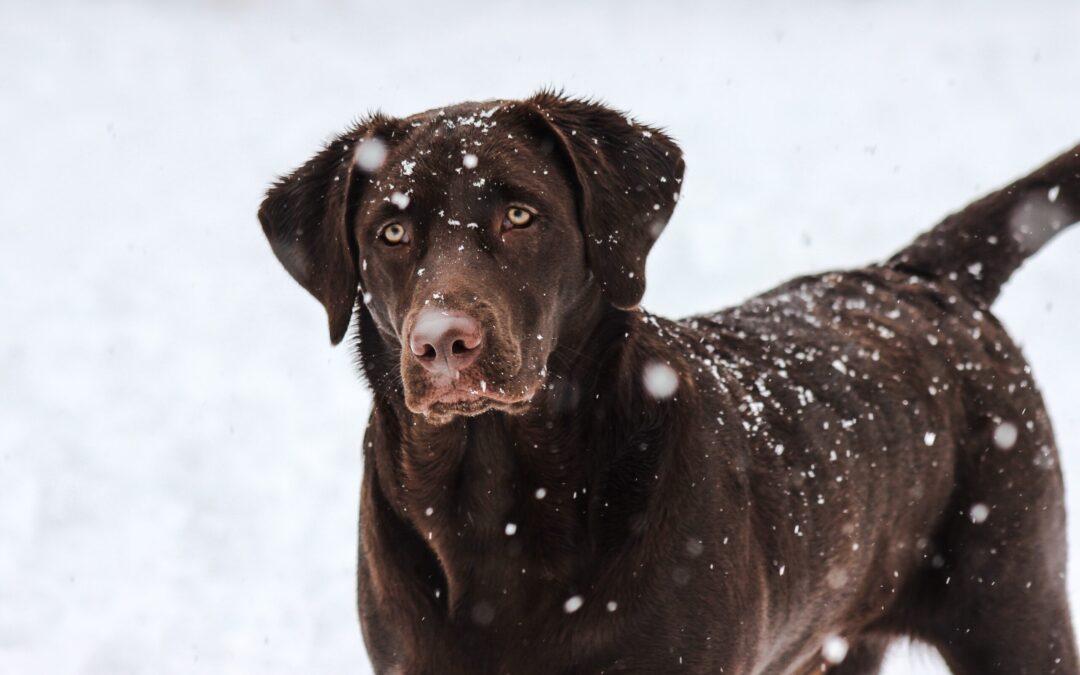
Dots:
pixel 978 248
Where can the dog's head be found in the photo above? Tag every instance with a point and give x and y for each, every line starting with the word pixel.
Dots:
pixel 473 234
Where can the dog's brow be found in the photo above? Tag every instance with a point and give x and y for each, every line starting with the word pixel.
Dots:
pixel 378 212
pixel 511 190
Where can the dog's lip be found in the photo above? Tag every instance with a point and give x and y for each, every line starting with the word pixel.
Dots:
pixel 458 400
pixel 457 395
pixel 441 412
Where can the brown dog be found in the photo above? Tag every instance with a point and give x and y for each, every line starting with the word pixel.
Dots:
pixel 556 481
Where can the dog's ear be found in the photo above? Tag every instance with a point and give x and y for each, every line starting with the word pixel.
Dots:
pixel 628 178
pixel 305 217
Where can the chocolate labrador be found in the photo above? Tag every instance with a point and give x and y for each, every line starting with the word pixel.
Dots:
pixel 557 481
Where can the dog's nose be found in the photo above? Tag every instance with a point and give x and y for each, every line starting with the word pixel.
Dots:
pixel 445 342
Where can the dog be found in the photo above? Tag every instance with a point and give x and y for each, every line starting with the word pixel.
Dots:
pixel 557 481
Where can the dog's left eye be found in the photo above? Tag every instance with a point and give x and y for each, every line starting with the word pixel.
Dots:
pixel 394 234
pixel 517 217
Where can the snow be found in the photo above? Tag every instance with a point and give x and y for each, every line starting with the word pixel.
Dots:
pixel 835 649
pixel 1036 220
pixel 469 161
pixel 370 154
pixel 694 547
pixel 660 380
pixel 180 448
pixel 573 604
pixel 1005 435
pixel 979 513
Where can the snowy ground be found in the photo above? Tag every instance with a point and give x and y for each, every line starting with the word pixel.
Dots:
pixel 179 446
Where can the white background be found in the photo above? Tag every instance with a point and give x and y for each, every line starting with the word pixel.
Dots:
pixel 179 445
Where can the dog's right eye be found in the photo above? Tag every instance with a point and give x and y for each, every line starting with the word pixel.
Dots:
pixel 517 218
pixel 393 234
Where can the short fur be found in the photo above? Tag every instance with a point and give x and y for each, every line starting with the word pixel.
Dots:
pixel 836 459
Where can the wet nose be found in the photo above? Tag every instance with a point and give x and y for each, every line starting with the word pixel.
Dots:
pixel 445 342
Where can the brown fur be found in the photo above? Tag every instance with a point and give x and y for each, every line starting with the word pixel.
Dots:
pixel 815 472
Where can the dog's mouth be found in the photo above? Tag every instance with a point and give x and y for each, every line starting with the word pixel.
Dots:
pixel 444 403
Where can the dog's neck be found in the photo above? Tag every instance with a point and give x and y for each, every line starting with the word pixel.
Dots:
pixel 504 500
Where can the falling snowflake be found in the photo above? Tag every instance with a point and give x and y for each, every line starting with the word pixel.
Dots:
pixel 1036 219
pixel 694 547
pixel 483 613
pixel 979 513
pixel 400 200
pixel 511 529
pixel 660 380
pixel 1005 435
pixel 834 650
pixel 370 154
pixel 573 604
pixel 469 161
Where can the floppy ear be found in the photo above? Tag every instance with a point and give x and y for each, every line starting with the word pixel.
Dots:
pixel 305 217
pixel 628 178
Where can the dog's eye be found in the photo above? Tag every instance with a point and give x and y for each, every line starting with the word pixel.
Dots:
pixel 393 234
pixel 518 217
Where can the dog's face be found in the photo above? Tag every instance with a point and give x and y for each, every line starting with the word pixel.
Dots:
pixel 474 233
pixel 470 255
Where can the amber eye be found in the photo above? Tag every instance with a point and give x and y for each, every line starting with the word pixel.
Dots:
pixel 393 234
pixel 519 217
